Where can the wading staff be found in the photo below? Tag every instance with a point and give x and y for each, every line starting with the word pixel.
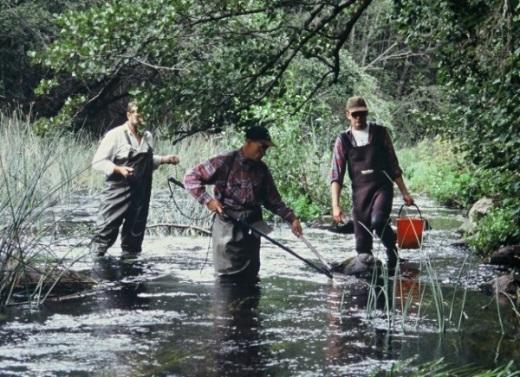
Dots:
pixel 273 241
pixel 262 234
pixel 313 249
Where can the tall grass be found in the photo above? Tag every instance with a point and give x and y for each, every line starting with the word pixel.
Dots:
pixel 60 163
pixel 441 368
pixel 387 287
pixel 35 174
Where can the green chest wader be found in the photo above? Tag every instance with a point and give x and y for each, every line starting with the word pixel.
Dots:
pixel 372 194
pixel 126 202
pixel 236 251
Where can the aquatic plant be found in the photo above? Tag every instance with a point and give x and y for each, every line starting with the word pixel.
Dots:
pixel 34 175
pixel 440 368
pixel 458 282
pixel 399 299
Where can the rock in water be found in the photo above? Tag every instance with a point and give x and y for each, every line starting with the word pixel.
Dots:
pixel 504 285
pixel 360 264
pixel 507 256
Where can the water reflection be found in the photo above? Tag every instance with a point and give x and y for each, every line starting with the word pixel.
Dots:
pixel 239 349
pixel 347 332
pixel 127 281
pixel 408 289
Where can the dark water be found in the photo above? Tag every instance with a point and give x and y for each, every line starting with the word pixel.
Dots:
pixel 164 315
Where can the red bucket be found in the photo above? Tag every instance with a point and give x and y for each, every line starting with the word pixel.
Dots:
pixel 410 230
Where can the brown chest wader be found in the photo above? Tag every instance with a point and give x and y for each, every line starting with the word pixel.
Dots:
pixel 372 194
pixel 126 201
pixel 236 251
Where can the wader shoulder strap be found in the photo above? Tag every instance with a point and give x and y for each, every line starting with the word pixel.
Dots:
pixel 346 141
pixel 127 138
pixel 378 132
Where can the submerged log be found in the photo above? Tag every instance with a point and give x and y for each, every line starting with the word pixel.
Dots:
pixel 28 282
pixel 180 226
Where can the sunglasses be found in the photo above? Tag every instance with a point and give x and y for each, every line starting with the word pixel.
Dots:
pixel 357 114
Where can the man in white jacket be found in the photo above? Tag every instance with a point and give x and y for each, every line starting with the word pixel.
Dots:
pixel 125 156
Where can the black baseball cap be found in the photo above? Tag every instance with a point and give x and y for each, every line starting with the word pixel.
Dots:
pixel 259 133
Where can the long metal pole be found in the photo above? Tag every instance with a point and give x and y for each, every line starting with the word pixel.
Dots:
pixel 313 249
pixel 280 245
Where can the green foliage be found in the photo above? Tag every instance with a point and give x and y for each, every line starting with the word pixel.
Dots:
pixel 434 168
pixel 299 166
pixel 60 122
pixel 197 66
pixel 25 26
pixel 501 226
pixel 479 69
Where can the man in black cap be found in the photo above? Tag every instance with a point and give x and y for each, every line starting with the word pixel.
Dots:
pixel 365 150
pixel 242 183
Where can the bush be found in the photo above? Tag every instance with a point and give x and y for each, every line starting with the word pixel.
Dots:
pixel 434 167
pixel 501 226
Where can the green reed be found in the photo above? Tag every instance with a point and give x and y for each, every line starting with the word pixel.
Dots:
pixel 387 287
pixel 440 368
pixel 35 173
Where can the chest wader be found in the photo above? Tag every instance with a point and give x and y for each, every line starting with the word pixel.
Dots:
pixel 372 195
pixel 236 251
pixel 126 201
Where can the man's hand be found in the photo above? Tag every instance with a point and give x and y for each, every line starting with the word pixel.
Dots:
pixel 337 214
pixel 408 200
pixel 170 159
pixel 124 171
pixel 296 228
pixel 215 206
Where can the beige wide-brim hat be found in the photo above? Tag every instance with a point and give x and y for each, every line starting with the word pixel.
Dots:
pixel 356 103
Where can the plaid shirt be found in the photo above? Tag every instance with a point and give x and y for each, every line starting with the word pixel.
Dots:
pixel 239 183
pixel 339 156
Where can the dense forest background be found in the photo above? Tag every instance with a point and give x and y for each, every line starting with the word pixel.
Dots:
pixel 443 75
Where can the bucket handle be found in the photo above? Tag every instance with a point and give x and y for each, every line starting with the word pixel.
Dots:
pixel 415 205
